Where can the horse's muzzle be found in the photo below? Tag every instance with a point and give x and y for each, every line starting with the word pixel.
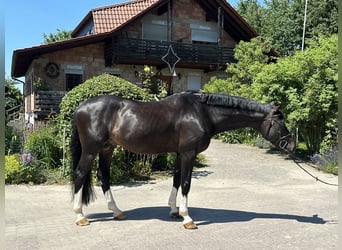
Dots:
pixel 289 145
pixel 286 144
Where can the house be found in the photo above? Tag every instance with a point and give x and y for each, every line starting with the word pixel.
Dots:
pixel 185 41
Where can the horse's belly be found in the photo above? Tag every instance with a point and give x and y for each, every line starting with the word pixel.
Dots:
pixel 148 145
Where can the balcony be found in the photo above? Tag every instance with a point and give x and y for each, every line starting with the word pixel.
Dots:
pixel 150 52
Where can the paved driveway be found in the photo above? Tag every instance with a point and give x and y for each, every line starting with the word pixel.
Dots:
pixel 245 198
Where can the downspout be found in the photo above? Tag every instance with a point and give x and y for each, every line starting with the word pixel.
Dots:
pixel 18 80
pixel 170 38
pixel 170 21
pixel 219 26
pixel 220 23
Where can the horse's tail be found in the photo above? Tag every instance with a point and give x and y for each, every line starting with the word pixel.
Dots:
pixel 76 152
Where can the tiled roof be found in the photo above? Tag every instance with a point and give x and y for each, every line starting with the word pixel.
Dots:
pixel 111 17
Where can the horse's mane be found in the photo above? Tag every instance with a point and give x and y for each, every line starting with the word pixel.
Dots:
pixel 234 102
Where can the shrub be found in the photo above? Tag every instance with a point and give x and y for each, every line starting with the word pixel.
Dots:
pixel 200 161
pixel 261 142
pixel 32 172
pixel 13 140
pixel 24 170
pixel 327 161
pixel 12 169
pixel 164 162
pixel 243 135
pixel 44 145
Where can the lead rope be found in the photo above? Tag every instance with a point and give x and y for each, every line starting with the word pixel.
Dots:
pixel 295 159
pixel 282 143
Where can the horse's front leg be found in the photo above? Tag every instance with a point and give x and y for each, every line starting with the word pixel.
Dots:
pixel 117 213
pixel 187 162
pixel 174 213
pixel 105 158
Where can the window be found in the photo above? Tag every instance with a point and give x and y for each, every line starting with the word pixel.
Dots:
pixel 113 71
pixel 73 75
pixel 72 80
pixel 204 33
pixel 155 30
pixel 194 83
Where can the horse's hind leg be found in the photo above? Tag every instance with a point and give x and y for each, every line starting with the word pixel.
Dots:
pixel 81 185
pixel 105 158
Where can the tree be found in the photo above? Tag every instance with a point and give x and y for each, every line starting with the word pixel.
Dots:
pixel 305 85
pixel 322 17
pixel 253 12
pixel 59 36
pixel 13 98
pixel 250 57
pixel 281 21
pixel 13 105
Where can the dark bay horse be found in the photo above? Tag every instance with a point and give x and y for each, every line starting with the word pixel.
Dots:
pixel 183 123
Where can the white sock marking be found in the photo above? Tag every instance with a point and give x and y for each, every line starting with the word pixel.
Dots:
pixel 111 203
pixel 173 201
pixel 78 204
pixel 183 210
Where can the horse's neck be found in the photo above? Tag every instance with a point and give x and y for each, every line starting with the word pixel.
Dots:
pixel 229 119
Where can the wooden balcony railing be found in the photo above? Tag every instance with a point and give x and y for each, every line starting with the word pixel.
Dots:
pixel 188 53
pixel 47 102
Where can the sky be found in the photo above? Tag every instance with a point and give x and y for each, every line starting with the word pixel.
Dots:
pixel 27 20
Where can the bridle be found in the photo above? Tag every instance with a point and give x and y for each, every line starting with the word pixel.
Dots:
pixel 282 142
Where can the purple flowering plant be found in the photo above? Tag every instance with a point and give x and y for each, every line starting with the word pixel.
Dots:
pixel 327 160
pixel 27 158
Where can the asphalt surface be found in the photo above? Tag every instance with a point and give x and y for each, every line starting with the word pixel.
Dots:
pixel 245 198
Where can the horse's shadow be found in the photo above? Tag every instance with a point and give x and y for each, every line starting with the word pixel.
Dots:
pixel 205 216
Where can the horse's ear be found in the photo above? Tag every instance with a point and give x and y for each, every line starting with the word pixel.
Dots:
pixel 275 108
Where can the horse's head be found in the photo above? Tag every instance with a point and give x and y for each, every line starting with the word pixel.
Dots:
pixel 274 130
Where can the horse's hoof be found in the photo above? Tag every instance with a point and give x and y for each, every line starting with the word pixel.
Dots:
pixel 120 216
pixel 175 216
pixel 82 222
pixel 190 225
